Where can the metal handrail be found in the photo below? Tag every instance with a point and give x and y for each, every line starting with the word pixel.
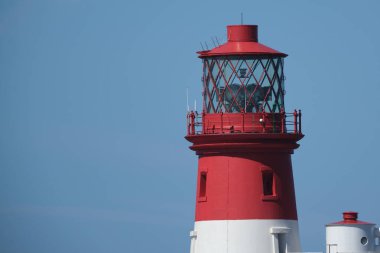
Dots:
pixel 279 124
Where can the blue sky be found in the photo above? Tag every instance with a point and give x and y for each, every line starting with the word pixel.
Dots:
pixel 92 116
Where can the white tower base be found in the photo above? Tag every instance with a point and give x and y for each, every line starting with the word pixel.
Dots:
pixel 245 236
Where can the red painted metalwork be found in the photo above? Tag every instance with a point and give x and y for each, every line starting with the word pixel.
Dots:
pixel 350 218
pixel 229 123
pixel 242 40
pixel 295 121
pixel 236 33
pixel 211 144
pixel 241 48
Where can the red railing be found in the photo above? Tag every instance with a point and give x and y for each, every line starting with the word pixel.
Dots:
pixel 227 123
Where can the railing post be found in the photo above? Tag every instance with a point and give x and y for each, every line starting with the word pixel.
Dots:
pixel 188 124
pixel 242 114
pixel 283 120
pixel 192 122
pixel 263 114
pixel 221 122
pixel 300 125
pixel 295 114
pixel 203 122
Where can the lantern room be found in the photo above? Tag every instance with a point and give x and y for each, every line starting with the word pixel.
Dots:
pixel 243 84
pixel 243 88
pixel 243 75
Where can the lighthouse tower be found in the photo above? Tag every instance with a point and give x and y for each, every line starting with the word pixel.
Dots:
pixel 245 199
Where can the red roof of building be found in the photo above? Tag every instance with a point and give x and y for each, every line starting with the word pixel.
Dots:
pixel 350 218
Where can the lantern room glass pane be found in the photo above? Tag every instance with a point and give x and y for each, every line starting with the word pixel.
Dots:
pixel 243 84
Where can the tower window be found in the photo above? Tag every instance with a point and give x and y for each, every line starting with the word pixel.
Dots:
pixel 202 186
pixel 268 183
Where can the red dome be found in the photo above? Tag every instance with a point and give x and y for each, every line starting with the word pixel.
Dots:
pixel 242 40
pixel 350 218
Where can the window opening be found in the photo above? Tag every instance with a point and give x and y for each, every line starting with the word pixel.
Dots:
pixel 202 185
pixel 268 183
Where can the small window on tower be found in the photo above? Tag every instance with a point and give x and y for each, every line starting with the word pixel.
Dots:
pixel 268 183
pixel 202 186
pixel 269 186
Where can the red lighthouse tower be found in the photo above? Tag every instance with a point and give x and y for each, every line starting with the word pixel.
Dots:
pixel 245 200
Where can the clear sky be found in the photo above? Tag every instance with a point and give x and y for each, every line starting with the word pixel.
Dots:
pixel 93 109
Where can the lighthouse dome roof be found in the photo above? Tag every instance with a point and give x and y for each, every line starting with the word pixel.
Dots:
pixel 241 40
pixel 350 218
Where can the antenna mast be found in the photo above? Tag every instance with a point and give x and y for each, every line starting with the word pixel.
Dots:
pixel 187 99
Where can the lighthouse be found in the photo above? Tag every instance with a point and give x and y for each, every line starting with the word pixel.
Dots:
pixel 244 139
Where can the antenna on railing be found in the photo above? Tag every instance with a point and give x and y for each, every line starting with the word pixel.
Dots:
pixel 195 105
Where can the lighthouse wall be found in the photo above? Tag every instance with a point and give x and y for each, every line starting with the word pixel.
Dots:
pixel 245 203
pixel 245 236
pixel 234 187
